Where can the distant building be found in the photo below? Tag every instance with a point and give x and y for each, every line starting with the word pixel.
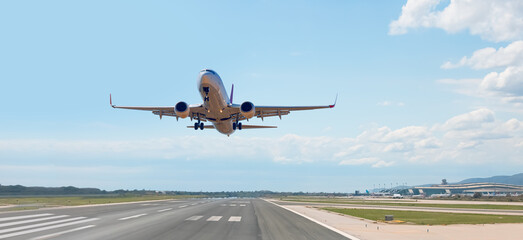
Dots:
pixel 489 189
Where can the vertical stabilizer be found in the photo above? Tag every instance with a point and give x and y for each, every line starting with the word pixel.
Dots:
pixel 232 93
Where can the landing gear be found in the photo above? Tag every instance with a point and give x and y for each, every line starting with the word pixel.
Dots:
pixel 198 124
pixel 236 125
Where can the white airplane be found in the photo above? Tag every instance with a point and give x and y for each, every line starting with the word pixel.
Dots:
pixel 219 109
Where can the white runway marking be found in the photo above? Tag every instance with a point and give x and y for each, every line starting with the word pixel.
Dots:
pixel 233 205
pixel 26 216
pixel 39 225
pixel 163 210
pixel 182 206
pixel 193 218
pixel 214 219
pixel 63 232
pixel 45 228
pixel 242 205
pixel 32 220
pixel 235 219
pixel 135 216
pixel 223 205
pixel 194 204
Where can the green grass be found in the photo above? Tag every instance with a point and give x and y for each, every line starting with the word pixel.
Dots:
pixel 408 204
pixel 24 203
pixel 428 218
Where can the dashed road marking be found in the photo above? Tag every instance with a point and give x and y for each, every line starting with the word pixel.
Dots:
pixel 193 218
pixel 135 216
pixel 235 219
pixel 242 205
pixel 182 206
pixel 163 210
pixel 233 205
pixel 214 219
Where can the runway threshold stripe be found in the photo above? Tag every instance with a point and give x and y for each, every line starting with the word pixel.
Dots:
pixel 193 218
pixel 45 228
pixel 235 219
pixel 31 220
pixel 214 219
pixel 25 216
pixel 63 232
pixel 39 225
pixel 135 216
pixel 163 210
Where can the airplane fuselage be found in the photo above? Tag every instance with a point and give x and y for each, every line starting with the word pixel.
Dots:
pixel 215 101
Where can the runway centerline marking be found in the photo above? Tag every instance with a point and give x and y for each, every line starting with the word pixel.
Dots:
pixel 39 225
pixel 135 216
pixel 63 232
pixel 182 206
pixel 45 228
pixel 235 219
pixel 25 216
pixel 242 205
pixel 214 219
pixel 31 220
pixel 233 205
pixel 163 210
pixel 193 218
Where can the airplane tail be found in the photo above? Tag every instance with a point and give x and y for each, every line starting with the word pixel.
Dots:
pixel 232 92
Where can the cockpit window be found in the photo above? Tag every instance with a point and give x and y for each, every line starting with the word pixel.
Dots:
pixel 209 70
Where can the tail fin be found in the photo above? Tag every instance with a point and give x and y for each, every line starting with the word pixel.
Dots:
pixel 232 93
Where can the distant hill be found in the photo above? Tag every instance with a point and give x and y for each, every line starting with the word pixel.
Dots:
pixel 516 179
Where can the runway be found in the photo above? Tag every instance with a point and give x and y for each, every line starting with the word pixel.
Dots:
pixel 241 219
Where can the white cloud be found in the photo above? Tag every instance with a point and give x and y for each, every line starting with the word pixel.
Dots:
pixel 360 161
pixel 470 120
pixel 444 143
pixel 490 57
pixel 498 20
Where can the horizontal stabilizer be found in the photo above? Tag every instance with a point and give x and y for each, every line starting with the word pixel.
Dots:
pixel 245 126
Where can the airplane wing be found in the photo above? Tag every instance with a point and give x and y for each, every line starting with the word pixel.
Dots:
pixel 195 110
pixel 271 111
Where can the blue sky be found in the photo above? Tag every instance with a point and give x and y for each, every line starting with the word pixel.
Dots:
pixel 425 92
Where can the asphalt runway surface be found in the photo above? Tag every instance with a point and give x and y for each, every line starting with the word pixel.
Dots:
pixel 201 219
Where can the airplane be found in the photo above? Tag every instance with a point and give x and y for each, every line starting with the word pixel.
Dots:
pixel 218 109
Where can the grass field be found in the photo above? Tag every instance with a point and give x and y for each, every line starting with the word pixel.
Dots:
pixel 428 218
pixel 406 204
pixel 25 203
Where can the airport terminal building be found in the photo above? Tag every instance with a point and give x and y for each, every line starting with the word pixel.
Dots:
pixel 487 189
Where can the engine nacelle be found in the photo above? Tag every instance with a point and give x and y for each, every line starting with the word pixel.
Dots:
pixel 181 109
pixel 247 109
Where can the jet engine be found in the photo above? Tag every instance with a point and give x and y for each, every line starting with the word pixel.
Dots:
pixel 181 109
pixel 247 109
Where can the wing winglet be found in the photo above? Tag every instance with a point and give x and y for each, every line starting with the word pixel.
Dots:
pixel 111 100
pixel 335 100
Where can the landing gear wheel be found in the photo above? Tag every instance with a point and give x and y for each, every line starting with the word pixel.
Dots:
pixel 201 126
pixel 240 126
pixel 196 125
pixel 233 126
